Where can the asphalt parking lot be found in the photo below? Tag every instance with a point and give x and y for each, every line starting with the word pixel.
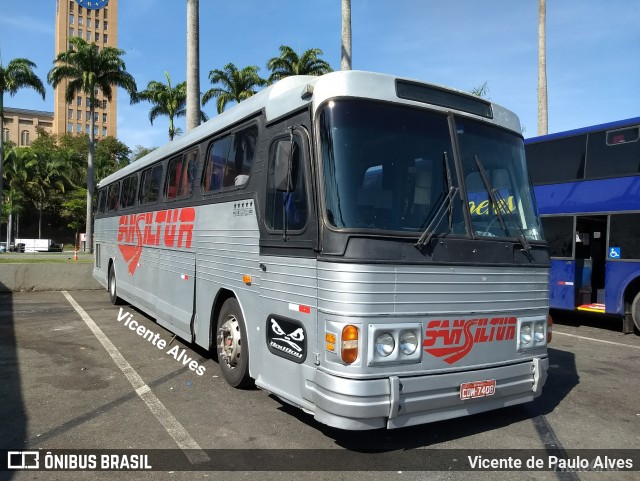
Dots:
pixel 85 381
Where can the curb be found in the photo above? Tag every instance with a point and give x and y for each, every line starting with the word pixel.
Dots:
pixel 47 277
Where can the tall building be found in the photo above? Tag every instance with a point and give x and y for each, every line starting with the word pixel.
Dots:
pixel 95 21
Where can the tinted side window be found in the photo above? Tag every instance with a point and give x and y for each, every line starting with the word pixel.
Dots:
pixel 173 175
pixel 281 204
pixel 150 184
pixel 230 159
pixel 187 176
pixel 240 157
pixel 624 234
pixel 180 175
pixel 128 194
pixel 213 170
pixel 102 200
pixel 613 153
pixel 558 232
pixel 113 195
pixel 554 161
pixel 621 136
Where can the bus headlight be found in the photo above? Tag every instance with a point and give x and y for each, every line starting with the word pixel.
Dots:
pixel 385 344
pixel 538 332
pixel 525 334
pixel 532 333
pixel 408 342
pixel 393 343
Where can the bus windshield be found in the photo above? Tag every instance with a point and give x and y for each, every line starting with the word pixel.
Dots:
pixel 385 168
pixel 501 155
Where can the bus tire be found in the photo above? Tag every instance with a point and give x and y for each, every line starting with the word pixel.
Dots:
pixel 112 287
pixel 635 311
pixel 231 345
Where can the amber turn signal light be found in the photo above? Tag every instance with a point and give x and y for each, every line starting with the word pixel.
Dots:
pixel 349 344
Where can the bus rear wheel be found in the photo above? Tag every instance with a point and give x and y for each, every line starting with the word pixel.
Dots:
pixel 232 347
pixel 635 312
pixel 113 294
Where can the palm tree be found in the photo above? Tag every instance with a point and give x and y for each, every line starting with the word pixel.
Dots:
pixel 481 90
pixel 166 100
pixel 345 59
pixel 19 165
pixel 50 175
pixel 87 70
pixel 543 115
pixel 193 64
pixel 289 63
pixel 17 75
pixel 237 85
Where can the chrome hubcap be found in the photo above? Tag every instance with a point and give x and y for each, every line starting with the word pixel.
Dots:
pixel 229 341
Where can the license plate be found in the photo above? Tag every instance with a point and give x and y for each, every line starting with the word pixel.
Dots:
pixel 471 390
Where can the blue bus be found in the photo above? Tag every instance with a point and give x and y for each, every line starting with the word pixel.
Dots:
pixel 587 186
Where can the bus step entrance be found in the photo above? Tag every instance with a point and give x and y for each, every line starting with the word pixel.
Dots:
pixel 595 307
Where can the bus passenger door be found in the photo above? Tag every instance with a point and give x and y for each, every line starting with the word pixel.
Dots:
pixel 591 235
pixel 288 284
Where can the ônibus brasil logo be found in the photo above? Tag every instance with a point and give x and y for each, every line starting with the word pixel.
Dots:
pixel 169 228
pixel 457 337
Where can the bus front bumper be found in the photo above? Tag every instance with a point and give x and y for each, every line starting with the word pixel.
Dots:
pixel 396 402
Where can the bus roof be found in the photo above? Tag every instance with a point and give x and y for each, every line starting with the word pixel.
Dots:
pixel 296 92
pixel 584 130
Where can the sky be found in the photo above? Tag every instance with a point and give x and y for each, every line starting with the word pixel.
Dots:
pixel 593 59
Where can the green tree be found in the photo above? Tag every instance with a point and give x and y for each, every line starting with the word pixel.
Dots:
pixel 481 90
pixel 111 155
pixel 18 173
pixel 74 210
pixel 17 75
pixel 87 70
pixel 139 152
pixel 289 63
pixel 166 100
pixel 236 85
pixel 49 176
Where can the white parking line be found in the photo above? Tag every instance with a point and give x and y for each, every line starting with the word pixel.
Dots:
pixel 183 439
pixel 595 340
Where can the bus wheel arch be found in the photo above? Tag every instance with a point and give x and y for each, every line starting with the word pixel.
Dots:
pixel 112 284
pixel 635 312
pixel 632 304
pixel 231 344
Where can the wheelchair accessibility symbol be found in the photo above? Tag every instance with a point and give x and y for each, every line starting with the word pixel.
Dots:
pixel 614 253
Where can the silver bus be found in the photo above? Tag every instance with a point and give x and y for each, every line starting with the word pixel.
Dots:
pixel 362 246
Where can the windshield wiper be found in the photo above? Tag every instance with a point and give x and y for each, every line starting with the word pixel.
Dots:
pixel 499 203
pixel 447 203
pixel 521 237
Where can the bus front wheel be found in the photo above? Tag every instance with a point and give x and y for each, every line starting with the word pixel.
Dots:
pixel 232 347
pixel 635 311
pixel 113 295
